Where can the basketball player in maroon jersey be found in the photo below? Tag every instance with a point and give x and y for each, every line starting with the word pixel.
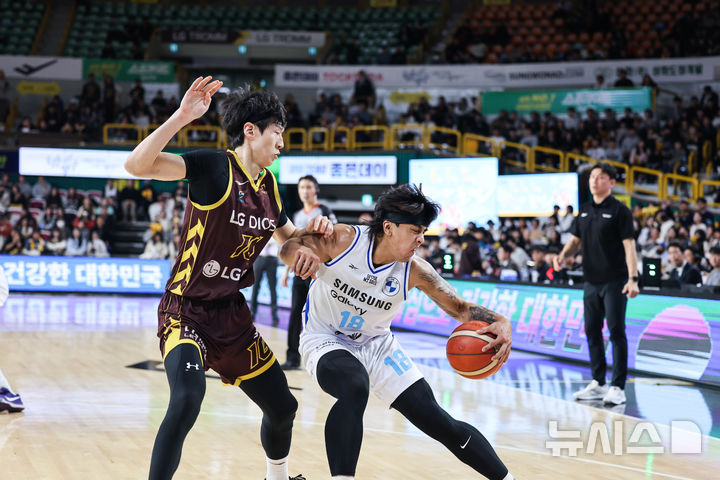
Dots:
pixel 203 321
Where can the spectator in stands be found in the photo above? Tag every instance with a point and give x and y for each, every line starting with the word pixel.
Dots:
pixel 639 155
pixel 41 189
pixel 4 198
pixel 96 246
pixel 647 81
pixel 540 267
pixel 698 224
pixel 34 245
pixel 26 126
pixel 599 82
pixel 159 104
pixel 108 51
pixel 504 268
pixel 128 199
pixel 14 245
pixel 5 228
pixel 76 245
pixel 708 99
pixel 596 151
pixel 137 93
pixel 623 81
pixel 110 190
pixel 108 98
pixel 470 259
pixel 148 196
pixel 90 94
pixel 24 186
pixel 713 278
pixel 17 199
pixel 682 271
pixel 155 248
pixel 364 90
pixel 56 243
pixel 294 116
pixel 701 208
pixel 46 221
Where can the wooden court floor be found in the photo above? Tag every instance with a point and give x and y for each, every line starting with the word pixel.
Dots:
pixel 88 416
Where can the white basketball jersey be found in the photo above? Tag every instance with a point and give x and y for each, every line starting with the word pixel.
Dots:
pixel 354 298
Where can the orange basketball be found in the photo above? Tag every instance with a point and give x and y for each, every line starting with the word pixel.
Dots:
pixel 464 351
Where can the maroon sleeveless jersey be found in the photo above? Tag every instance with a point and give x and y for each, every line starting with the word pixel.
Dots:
pixel 220 242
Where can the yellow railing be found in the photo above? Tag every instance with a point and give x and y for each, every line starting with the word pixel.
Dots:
pixel 635 172
pixel 417 130
pixel 444 133
pixel 347 144
pixel 709 183
pixel 132 134
pixel 324 144
pixel 678 179
pixel 472 144
pixel 560 166
pixel 202 136
pixel 292 133
pixel 365 136
pixel 390 138
pixel 506 150
pixel 575 159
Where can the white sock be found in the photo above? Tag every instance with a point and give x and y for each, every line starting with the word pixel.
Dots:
pixel 509 477
pixel 3 382
pixel 277 469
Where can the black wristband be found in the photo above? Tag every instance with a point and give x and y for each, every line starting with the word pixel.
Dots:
pixel 635 278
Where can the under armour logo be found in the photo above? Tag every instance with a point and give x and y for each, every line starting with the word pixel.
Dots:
pixel 196 365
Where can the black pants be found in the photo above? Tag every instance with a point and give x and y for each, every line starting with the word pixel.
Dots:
pixel 265 265
pixel 300 289
pixel 606 300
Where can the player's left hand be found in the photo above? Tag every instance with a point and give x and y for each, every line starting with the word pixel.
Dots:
pixel 305 264
pixel 631 289
pixel 502 329
pixel 320 224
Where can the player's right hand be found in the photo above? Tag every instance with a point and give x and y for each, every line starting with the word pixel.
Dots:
pixel 306 263
pixel 196 100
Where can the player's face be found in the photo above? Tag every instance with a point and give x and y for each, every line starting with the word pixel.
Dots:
pixel 268 145
pixel 406 239
pixel 600 183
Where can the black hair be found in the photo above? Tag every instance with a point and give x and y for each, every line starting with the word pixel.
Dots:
pixel 607 169
pixel 715 250
pixel 260 107
pixel 311 179
pixel 404 199
pixel 676 245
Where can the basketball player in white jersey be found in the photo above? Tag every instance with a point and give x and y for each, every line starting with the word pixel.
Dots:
pixel 347 343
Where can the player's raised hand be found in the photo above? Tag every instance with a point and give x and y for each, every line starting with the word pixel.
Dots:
pixel 305 264
pixel 196 100
pixel 320 224
pixel 502 329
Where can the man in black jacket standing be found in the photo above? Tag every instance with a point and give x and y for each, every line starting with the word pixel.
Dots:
pixel 604 228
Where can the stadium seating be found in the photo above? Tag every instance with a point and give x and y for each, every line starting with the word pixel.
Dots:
pixel 374 28
pixel 19 23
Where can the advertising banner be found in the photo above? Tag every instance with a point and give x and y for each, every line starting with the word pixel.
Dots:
pixel 85 274
pixel 129 70
pixel 9 161
pixel 41 68
pixel 666 335
pixel 532 75
pixel 73 162
pixel 558 101
pixel 340 170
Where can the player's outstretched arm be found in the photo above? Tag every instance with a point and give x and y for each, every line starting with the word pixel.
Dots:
pixel 148 160
pixel 303 253
pixel 424 276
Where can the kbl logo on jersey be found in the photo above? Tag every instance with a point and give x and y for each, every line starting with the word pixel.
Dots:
pixel 391 287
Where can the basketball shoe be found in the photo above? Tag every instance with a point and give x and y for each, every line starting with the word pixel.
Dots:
pixel 594 391
pixel 10 401
pixel 615 395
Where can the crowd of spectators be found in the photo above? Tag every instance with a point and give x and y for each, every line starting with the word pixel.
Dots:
pixel 42 219
pixel 683 238
pixel 590 30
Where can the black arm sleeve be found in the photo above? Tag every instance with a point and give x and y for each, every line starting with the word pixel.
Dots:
pixel 207 172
